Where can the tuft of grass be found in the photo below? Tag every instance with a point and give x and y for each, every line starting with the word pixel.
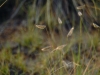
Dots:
pixel 71 52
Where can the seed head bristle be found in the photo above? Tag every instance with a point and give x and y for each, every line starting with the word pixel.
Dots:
pixel 69 64
pixel 46 48
pixel 79 13
pixel 80 7
pixel 41 26
pixel 70 32
pixel 61 47
pixel 59 21
pixel 95 25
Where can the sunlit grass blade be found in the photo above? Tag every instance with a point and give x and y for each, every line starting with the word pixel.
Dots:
pixel 3 3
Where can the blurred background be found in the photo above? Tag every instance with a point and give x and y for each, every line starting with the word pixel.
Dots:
pixel 49 37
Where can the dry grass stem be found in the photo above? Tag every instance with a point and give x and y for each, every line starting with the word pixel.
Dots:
pixel 87 67
pixel 81 7
pixel 61 47
pixel 3 3
pixel 59 21
pixel 46 48
pixel 68 64
pixel 58 69
pixel 76 64
pixel 70 32
pixel 95 25
pixel 40 26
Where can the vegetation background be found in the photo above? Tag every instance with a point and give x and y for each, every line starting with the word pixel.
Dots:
pixel 49 37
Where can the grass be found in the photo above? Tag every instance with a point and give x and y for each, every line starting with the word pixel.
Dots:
pixel 43 51
pixel 3 3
